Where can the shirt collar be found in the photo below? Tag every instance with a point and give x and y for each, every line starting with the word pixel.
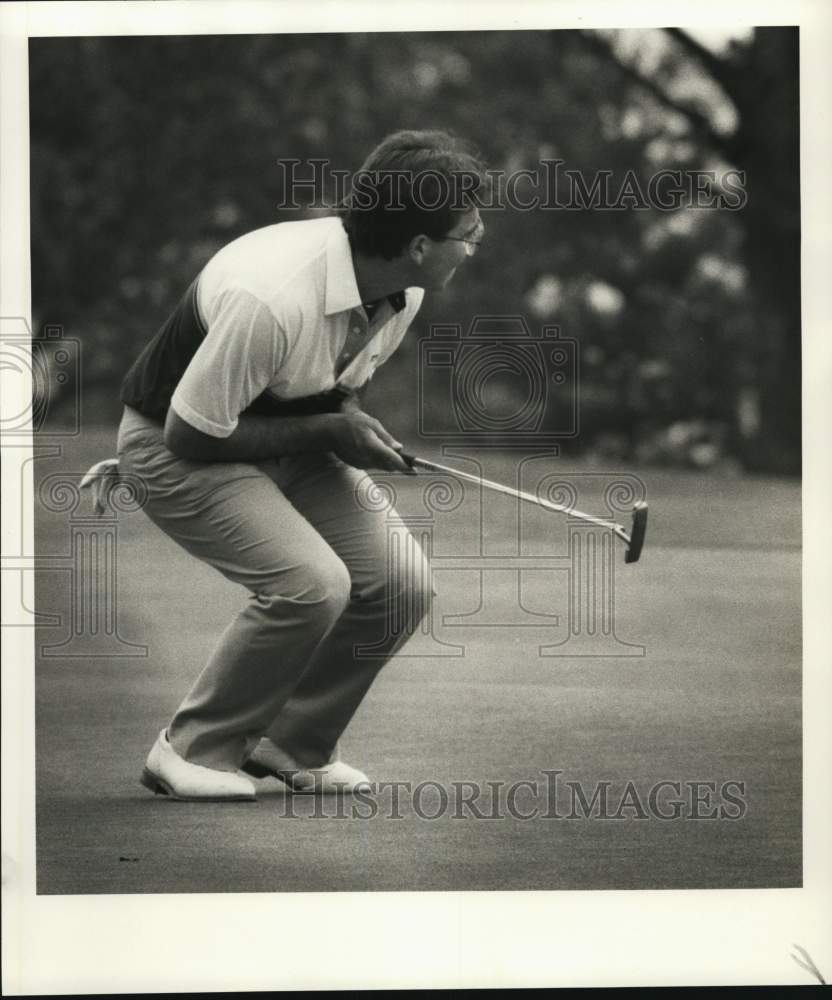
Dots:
pixel 341 287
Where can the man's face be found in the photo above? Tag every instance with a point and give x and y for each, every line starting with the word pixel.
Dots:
pixel 444 255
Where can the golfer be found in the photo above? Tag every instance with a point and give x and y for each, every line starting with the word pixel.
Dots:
pixel 242 420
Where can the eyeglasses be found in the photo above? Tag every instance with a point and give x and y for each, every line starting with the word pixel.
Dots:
pixel 471 246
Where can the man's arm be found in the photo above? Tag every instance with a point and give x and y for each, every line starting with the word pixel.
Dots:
pixel 245 345
pixel 355 437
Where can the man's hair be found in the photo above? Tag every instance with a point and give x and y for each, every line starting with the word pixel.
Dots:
pixel 411 183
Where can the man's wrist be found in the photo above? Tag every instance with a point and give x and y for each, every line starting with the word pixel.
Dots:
pixel 351 404
pixel 323 431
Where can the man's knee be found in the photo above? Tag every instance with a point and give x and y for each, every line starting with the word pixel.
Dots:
pixel 422 592
pixel 409 592
pixel 321 588
pixel 330 585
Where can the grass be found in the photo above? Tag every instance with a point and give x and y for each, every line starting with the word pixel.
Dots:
pixel 716 697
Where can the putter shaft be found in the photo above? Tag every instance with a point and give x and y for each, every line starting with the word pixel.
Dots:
pixel 421 463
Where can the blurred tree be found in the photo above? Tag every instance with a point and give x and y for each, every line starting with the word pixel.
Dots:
pixel 760 78
pixel 147 154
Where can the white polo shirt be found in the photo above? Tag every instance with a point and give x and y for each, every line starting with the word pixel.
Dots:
pixel 283 316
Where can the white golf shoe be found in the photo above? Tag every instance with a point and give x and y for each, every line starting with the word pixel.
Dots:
pixel 166 773
pixel 268 760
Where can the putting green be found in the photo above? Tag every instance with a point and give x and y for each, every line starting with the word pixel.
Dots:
pixel 715 699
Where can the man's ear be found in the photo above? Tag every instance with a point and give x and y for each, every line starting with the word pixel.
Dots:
pixel 418 247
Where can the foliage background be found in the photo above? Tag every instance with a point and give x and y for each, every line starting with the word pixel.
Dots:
pixel 149 153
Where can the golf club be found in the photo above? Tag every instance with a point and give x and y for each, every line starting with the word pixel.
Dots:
pixel 634 539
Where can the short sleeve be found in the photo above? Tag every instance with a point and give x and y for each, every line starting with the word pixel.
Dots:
pixel 243 349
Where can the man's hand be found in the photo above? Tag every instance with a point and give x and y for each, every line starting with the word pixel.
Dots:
pixel 362 441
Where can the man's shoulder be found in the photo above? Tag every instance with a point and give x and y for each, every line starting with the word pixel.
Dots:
pixel 282 261
pixel 298 237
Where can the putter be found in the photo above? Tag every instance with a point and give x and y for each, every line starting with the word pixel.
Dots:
pixel 634 539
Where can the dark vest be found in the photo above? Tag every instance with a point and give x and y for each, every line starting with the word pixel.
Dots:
pixel 150 383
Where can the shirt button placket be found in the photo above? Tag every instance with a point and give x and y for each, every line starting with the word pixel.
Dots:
pixel 353 343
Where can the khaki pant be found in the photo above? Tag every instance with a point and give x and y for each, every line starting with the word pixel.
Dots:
pixel 325 575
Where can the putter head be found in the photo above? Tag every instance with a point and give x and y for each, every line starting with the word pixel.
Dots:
pixel 637 532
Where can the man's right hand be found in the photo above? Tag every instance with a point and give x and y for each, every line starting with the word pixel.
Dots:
pixel 360 440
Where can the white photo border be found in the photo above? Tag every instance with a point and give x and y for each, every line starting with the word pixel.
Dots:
pixel 152 943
